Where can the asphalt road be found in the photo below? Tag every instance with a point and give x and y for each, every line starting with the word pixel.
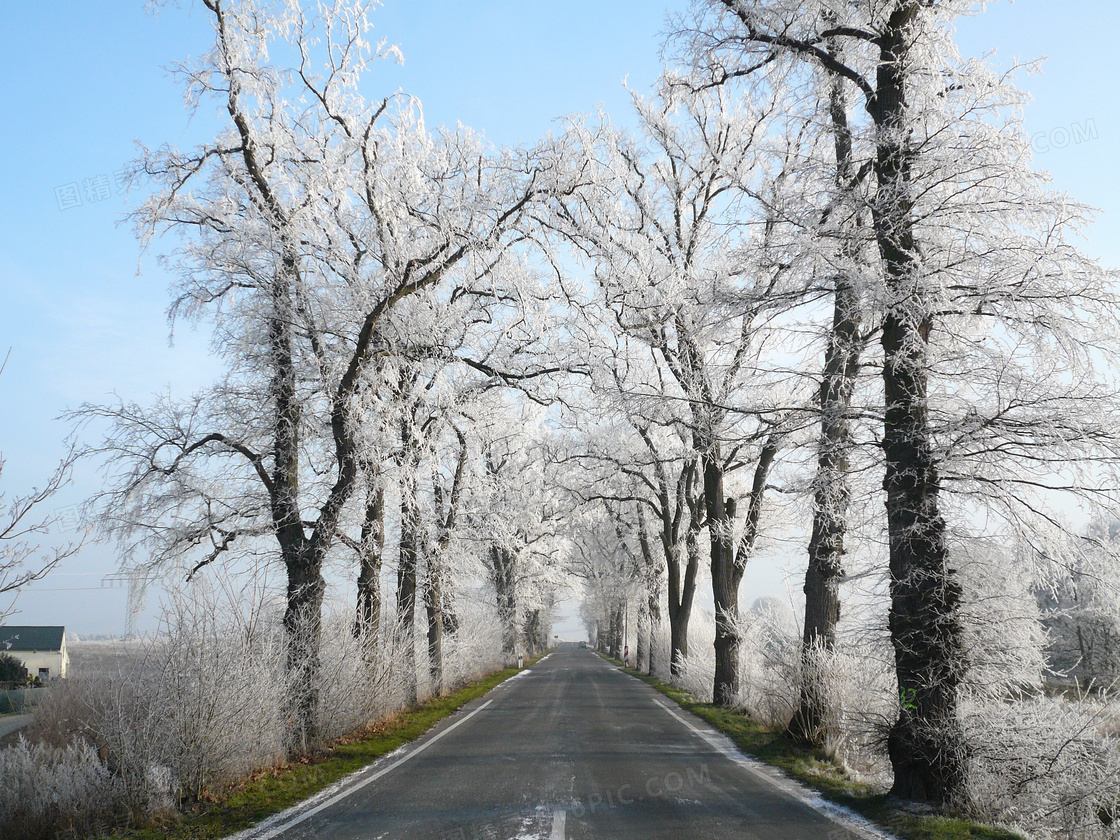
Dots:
pixel 570 748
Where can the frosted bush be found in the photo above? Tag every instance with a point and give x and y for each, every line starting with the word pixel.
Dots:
pixel 49 791
pixel 198 706
pixel 698 668
pixel 661 651
pixel 475 648
pixel 201 706
pixel 865 691
pixel 1046 765
pixel 769 653
pixel 361 682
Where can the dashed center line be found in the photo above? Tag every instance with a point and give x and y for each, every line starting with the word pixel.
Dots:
pixel 559 819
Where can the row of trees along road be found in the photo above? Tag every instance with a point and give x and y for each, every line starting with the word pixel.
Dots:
pixel 602 357
pixel 324 236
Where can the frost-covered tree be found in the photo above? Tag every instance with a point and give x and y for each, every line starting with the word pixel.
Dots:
pixel 23 525
pixel 309 220
pixel 1080 606
pixel 629 447
pixel 990 318
pixel 675 224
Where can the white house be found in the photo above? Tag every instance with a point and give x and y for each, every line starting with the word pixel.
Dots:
pixel 41 649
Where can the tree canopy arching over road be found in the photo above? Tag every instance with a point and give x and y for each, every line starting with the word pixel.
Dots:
pixel 817 296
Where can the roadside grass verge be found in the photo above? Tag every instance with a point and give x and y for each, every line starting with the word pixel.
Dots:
pixel 270 791
pixel 817 771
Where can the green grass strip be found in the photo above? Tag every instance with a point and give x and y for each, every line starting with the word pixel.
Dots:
pixel 815 770
pixel 272 791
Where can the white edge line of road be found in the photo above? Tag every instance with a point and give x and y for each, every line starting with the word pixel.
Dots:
pixel 286 819
pixel 840 815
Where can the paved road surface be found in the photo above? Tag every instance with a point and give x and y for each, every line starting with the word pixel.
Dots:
pixel 570 748
pixel 11 724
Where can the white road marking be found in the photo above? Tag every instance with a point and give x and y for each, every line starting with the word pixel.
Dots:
pixel 841 816
pixel 559 819
pixel 268 829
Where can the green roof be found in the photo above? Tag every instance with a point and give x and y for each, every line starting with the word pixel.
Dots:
pixel 31 638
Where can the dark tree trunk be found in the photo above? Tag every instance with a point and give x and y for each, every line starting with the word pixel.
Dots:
pixel 367 623
pixel 406 594
pixel 649 612
pixel 303 557
pixel 811 724
pixel 681 594
pixel 616 630
pixel 641 647
pixel 532 633
pixel 440 617
pixel 502 572
pixel 303 629
pixel 732 563
pixel 673 505
pixel 433 605
pixel 725 585
pixel 409 549
pixel 926 744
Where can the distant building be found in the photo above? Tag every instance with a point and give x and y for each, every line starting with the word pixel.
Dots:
pixel 41 649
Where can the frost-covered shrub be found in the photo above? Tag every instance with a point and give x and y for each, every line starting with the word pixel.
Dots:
pixel 768 661
pixel 1046 765
pixel 201 705
pixel 1003 632
pixel 865 695
pixel 360 682
pixel 698 669
pixel 769 654
pixel 197 706
pixel 475 648
pixel 49 791
pixel 661 650
pixel 193 708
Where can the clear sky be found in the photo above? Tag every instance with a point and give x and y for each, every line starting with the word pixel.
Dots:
pixel 83 82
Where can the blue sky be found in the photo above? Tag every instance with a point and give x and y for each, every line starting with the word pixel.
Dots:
pixel 84 81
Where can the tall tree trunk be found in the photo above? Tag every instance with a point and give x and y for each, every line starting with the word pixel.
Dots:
pixel 303 629
pixel 673 505
pixel 641 646
pixel 406 596
pixel 649 615
pixel 440 618
pixel 409 551
pixel 926 744
pixel 811 723
pixel 616 630
pixel 303 563
pixel 733 562
pixel 681 594
pixel 725 590
pixel 654 631
pixel 367 622
pixel 532 632
pixel 433 605
pixel 502 571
